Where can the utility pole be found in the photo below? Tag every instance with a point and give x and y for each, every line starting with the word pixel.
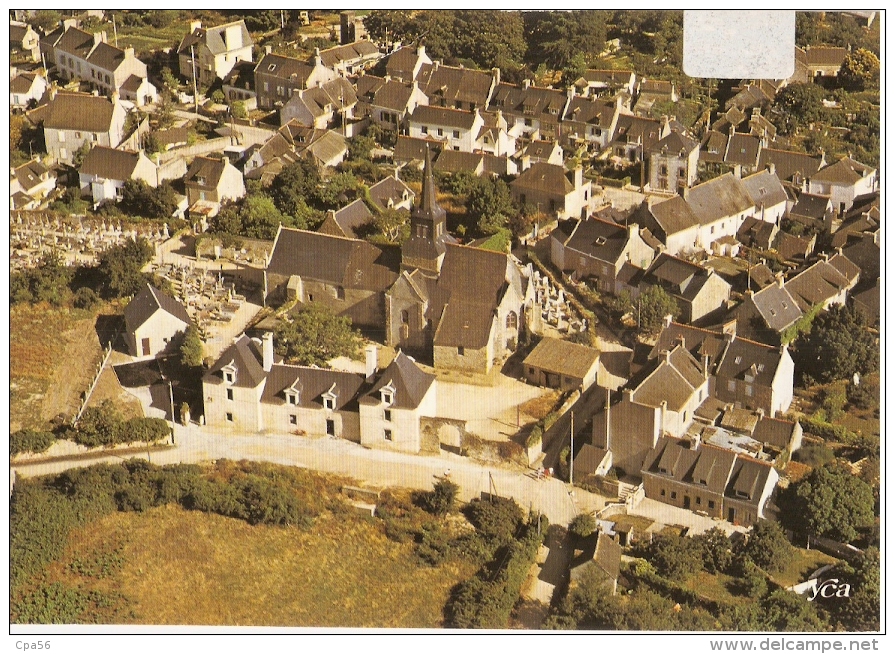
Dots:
pixel 572 450
pixel 115 30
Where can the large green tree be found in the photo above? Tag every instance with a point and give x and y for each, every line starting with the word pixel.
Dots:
pixel 651 308
pixel 838 345
pixel 120 267
pixel 313 335
pixel 860 70
pixel 767 546
pixel 295 184
pixel 796 106
pixel 140 199
pixel 831 502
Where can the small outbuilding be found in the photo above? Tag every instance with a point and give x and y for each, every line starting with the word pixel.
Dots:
pixel 152 320
pixel 561 364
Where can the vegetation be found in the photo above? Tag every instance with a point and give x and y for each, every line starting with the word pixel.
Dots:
pixel 653 306
pixel 830 502
pixel 120 268
pixel 767 546
pixel 313 335
pixel 47 282
pixel 192 351
pixel 30 440
pixel 441 500
pixel 838 345
pixel 139 199
pixel 103 426
pixel 583 525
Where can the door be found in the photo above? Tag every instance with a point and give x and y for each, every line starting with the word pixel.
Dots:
pixel 731 515
pixel 686 501
pixel 331 427
pixel 146 351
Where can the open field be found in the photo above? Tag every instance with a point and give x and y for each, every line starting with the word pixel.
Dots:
pixel 803 563
pixel 52 353
pixel 187 567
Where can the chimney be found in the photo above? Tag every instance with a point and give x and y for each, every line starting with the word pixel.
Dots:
pixel 632 229
pixel 666 356
pixel 526 83
pixel 608 444
pixel 668 319
pixel 663 406
pixel 772 168
pixel 233 37
pixel 495 73
pixel 705 366
pixel 53 90
pixel 730 327
pixel 98 37
pixel 421 50
pixel 318 60
pixel 115 98
pixel 195 25
pixel 579 177
pixel 268 49
pixel 695 440
pixel 128 53
pixel 371 360
pixel 779 278
pixel 267 351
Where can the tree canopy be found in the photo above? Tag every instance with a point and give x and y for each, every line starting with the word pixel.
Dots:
pixel 120 267
pixel 192 352
pixel 831 502
pixel 838 345
pixel 796 106
pixel 767 546
pixel 313 335
pixel 652 307
pixel 139 199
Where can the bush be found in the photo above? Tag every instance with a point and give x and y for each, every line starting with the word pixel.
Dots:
pixel 497 518
pixel 863 396
pixel 583 525
pixel 85 298
pixel 29 440
pixel 814 455
pixel 440 501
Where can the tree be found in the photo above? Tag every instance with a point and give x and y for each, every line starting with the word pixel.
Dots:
pixel 169 80
pixel 860 70
pixel 717 553
pixel 120 267
pixel 674 557
pixel 862 610
pixel 389 25
pixel 556 37
pixel 192 351
pixel 784 610
pixel 838 345
pixel 767 546
pixel 77 158
pixel 652 307
pixel 315 335
pixel 832 502
pixel 295 183
pixel 359 147
pixel 85 298
pixel 392 224
pixel 238 109
pixel 441 499
pixel 259 217
pixel 583 525
pixel 796 106
pixel 48 282
pixel 139 199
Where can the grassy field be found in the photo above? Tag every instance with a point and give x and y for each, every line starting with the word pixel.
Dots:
pixel 183 567
pixel 803 563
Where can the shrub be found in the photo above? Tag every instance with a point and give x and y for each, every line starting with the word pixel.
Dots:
pixel 85 298
pixel 863 396
pixel 29 440
pixel 583 525
pixel 440 501
pixel 498 518
pixel 814 455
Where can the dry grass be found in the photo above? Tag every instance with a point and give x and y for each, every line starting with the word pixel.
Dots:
pixel 803 563
pixel 184 567
pixel 540 406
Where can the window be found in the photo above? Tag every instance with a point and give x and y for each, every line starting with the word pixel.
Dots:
pixel 292 399
pixel 674 495
pixel 388 434
pixel 388 415
pixel 698 501
pixel 458 104
pixel 662 492
pixel 293 419
pixel 230 394
pixel 461 350
pixel 229 417
pixel 456 133
pixel 663 170
pixel 329 403
pixel 440 132
pixel 424 129
pixel 528 122
pixel 731 385
pixel 229 377
pixel 266 87
pixel 711 504
pixel 77 135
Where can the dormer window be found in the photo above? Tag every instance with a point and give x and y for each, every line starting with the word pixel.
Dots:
pixel 229 372
pixel 329 398
pixel 601 240
pixel 387 394
pixel 293 393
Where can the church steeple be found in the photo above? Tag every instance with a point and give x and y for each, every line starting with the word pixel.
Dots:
pixel 428 228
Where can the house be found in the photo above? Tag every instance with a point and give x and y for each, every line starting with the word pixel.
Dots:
pixel 29 184
pixel 72 119
pixel 494 137
pixel 457 87
pixel 250 390
pixel 351 58
pixel 758 234
pixel 152 321
pixel 348 275
pixel 708 479
pixel 479 163
pixel 347 220
pixel 90 58
pixel 673 163
pixel 457 129
pixel 390 411
pixel 815 211
pixel 320 107
pixel 239 85
pixel 210 53
pixel 867 301
pixel 24 40
pixel 673 222
pixel 766 314
pixel 531 111
pixel 392 193
pixel 822 284
pixel 327 148
pixel 412 151
pixel 212 182
pixel 794 248
pixel 767 195
pixel 591 121
pixel 843 181
pixel 754 376
pixel 599 250
pixel 25 88
pixel 105 170
pixel 721 205
pixel 748 97
pixel 635 136
pixel 595 82
pixel 817 61
pixel 406 63
pixel 554 190
pixel 560 364
pixel 792 168
pixel 541 152
pixel 602 557
pixel 388 102
pixel 863 250
pixel 778 433
pixel 277 77
pixel 697 290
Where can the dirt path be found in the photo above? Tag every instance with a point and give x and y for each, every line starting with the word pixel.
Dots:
pixel 74 370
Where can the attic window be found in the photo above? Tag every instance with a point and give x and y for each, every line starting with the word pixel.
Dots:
pixel 387 393
pixel 271 68
pixel 738 359
pixel 601 240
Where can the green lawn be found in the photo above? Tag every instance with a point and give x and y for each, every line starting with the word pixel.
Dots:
pixel 803 563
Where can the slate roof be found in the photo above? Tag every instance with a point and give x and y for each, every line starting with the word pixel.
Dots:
pixel 393 95
pixel 774 431
pixel 545 178
pixel 747 358
pixel 76 42
pixel 777 307
pixel 811 206
pixel 387 189
pixel 761 275
pixel 719 198
pixel 674 215
pixel 411 383
pixel 343 262
pixel 676 142
pixel 401 62
pixel 748 478
pixel 109 163
pixel 593 111
pixel 213 38
pixel 846 171
pixel 349 218
pixel 743 149
pixel 608 77
pixel 530 101
pixel 599 239
pixel 562 357
pixel 792 247
pixel 588 460
pixel 453 84
pixel 865 253
pixel 706 466
pixel 868 302
pixel 326 146
pixel 682 278
pixel 287 68
pixel 755 232
pixel 824 55
pixel 145 304
pixel 29 174
pixel 714 147
pixel 453 161
pixel 242 76
pixel 107 57
pixel 205 172
pixel 246 357
pixel 17 32
pixel 79 111
pixel 787 164
pixel 311 383
pixel 428 115
pixel 817 284
pixel 408 148
pixel 357 50
pixel 698 342
pixel 22 83
pixel 674 381
pixel 633 129
pixel 539 149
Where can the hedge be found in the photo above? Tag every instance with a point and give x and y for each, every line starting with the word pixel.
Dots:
pixel 29 440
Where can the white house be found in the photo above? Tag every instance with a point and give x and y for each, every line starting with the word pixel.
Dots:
pixel 72 119
pixel 25 87
pixel 457 129
pixel 843 181
pixel 152 321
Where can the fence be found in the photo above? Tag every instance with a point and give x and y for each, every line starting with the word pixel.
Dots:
pixel 99 372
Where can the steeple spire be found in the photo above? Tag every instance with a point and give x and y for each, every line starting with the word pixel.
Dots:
pixel 428 228
pixel 428 207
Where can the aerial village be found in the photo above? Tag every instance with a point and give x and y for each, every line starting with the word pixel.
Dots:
pixel 572 281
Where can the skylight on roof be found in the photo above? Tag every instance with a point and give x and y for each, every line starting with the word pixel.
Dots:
pixel 601 240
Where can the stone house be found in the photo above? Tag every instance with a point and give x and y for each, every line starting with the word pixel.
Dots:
pixel 29 184
pixel 591 121
pixel 598 250
pixel 673 222
pixel 239 85
pixel 406 63
pixel 457 87
pixel 278 77
pixel 540 152
pixel 349 59
pixel 391 193
pixel 24 40
pixel 531 112
pixel 72 119
pixel 721 205
pixel 213 52
pixel 843 181
pixel 673 163
pixel 698 291
pixel 330 104
pixel 767 195
pixel 152 321
pixel 560 364
pixel 635 136
pixel 211 182
pixel 554 190
pixel 388 102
